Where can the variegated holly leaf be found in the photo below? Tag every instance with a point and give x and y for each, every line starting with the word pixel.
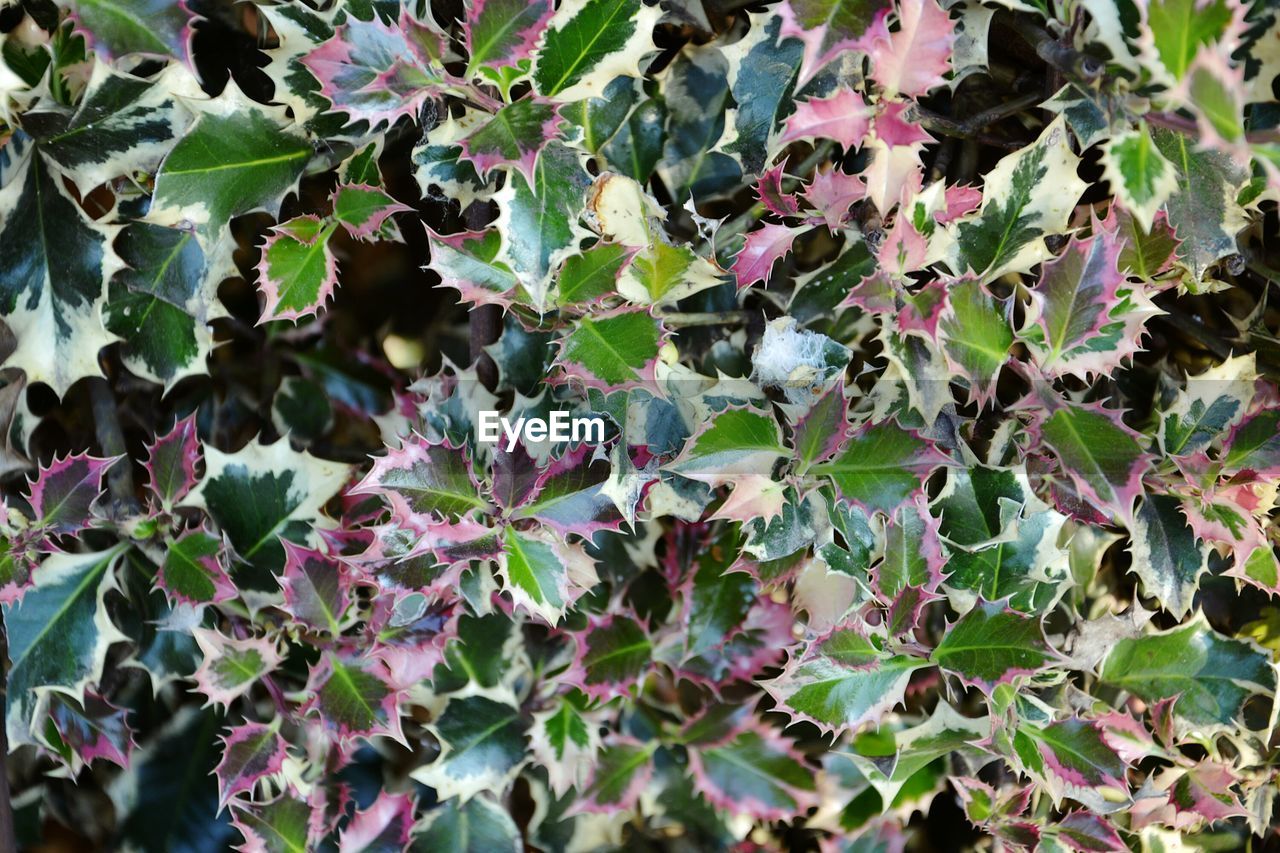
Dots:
pixel 1002 541
pixel 590 42
pixel 822 429
pixel 1100 454
pixel 424 480
pixel 913 59
pixel 171 463
pixel 975 335
pixel 383 827
pixel 514 137
pixel 992 645
pixel 1139 174
pixel 57 264
pixel 1202 210
pixel 714 600
pixel 378 72
pixel 478 825
pixel 297 273
pixel 732 445
pixel 762 70
pixel 569 496
pixel 842 681
pixel 880 468
pixel 1254 445
pixel 353 697
pixel 159 304
pixel 1075 760
pixel 1212 403
pixel 122 27
pixel 238 157
pixel 263 492
pixel 317 589
pixel 1030 193
pixel 844 117
pixel 910 570
pixel 615 350
pixel 754 771
pixel 588 278
pixel 468 262
pixel 1166 556
pixel 828 27
pixel 502 34
pixel 482 746
pixel 565 743
pixel 542 573
pixel 82 731
pixel 282 825
pixel 63 493
pixel 194 570
pixel 764 247
pixel 1209 676
pixel 363 209
pixel 251 753
pixel 623 769
pixel 58 634
pixel 538 218
pixel 1090 318
pixel 232 667
pixel 613 655
pixel 1180 28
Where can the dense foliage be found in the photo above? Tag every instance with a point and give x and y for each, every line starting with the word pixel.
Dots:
pixel 942 442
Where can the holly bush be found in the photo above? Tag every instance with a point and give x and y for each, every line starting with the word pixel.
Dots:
pixel 930 350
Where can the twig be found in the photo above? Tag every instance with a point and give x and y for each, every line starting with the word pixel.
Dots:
pixel 106 426
pixel 1076 66
pixel 970 128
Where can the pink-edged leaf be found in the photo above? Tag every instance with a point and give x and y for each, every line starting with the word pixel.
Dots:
pixel 764 246
pixel 64 491
pixel 754 496
pixel 363 210
pixel 831 192
pixel 1253 446
pixel 913 59
pixel 1079 762
pixel 423 479
pixel 893 128
pixel 623 768
pixel 17 563
pixel 88 730
pixel 410 641
pixel 1088 832
pixel 171 462
pixel 613 655
pixel 882 466
pixel 569 496
pixel 317 588
pixel 957 201
pixel 378 72
pixel 544 574
pixel 282 825
pixel 232 667
pixel 297 273
pixel 843 117
pixel 907 311
pixel 992 645
pixel 769 191
pixel 503 33
pixel 513 137
pixel 1100 454
pixel 353 697
pixel 827 29
pixel 468 263
pixel 842 680
pixel 975 336
pixel 194 570
pixel 250 753
pixel 760 641
pixel 753 771
pixel 823 428
pixel 1205 792
pixel 613 350
pixel 904 248
pixel 384 826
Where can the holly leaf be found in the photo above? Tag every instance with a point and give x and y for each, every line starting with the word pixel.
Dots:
pixel 733 444
pixel 828 27
pixel 615 350
pixel 317 589
pixel 587 278
pixel 1028 194
pixel 1138 173
pixel 565 744
pixel 913 59
pixel 514 137
pixel 383 827
pixel 122 27
pixel 976 337
pixel 1212 403
pixel 764 247
pixel 424 479
pixel 613 655
pixel 282 825
pixel 569 497
pixel 59 634
pixel 468 262
pixel 1179 28
pixel 297 274
pixel 881 467
pixel 1254 445
pixel 502 33
pixel 482 746
pixel 363 209
pixel 1210 676
pixel 237 158
pixel 762 70
pixel 1166 556
pixel 478 825
pixel 83 731
pixel 992 645
pixel 63 493
pixel 542 573
pixel 590 42
pixel 171 462
pixel 232 667
pixel 1101 456
pixel 754 772
pixel 623 770
pixel 353 697
pixel 842 681
pixel 250 753
pixel 843 117
pixel 194 570
pixel 58 262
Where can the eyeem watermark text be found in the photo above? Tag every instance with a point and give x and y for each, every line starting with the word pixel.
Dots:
pixel 492 427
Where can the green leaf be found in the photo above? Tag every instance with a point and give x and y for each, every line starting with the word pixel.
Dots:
pixel 514 136
pixel 478 825
pixel 235 159
pixel 1179 28
pixel 502 33
pixel 1166 556
pixel 192 570
pixel 1212 676
pixel 756 773
pixel 1138 173
pixel 1028 194
pixel 612 655
pixel 881 467
pixel 120 27
pixel 482 746
pixel 1202 209
pixel 1078 761
pixel 363 209
pixel 1101 456
pixel 735 443
pixel 842 681
pixel 976 336
pixel 424 479
pixel 589 277
pixel 543 574
pixel 297 273
pixel 992 645
pixel 622 771
pixel 56 263
pixel 58 634
pixel 1254 446
pixel 616 350
pixel 762 70
pixel 716 600
pixel 589 43
pixel 282 825
pixel 353 697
